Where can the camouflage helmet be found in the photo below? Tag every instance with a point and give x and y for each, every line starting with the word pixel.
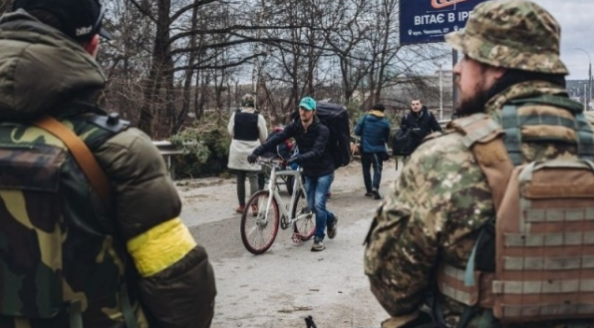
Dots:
pixel 248 101
pixel 516 34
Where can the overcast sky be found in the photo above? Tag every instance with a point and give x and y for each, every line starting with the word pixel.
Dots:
pixel 576 18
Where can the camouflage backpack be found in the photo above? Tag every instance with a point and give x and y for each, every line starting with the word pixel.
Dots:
pixel 60 258
pixel 542 239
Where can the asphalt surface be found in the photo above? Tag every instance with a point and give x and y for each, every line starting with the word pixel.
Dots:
pixel 289 282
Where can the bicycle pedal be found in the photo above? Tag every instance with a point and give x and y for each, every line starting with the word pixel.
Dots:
pixel 297 239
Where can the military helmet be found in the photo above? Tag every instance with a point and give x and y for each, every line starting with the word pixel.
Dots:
pixel 517 34
pixel 248 101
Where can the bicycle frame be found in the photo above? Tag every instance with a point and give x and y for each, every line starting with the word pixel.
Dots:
pixel 297 183
pixel 269 210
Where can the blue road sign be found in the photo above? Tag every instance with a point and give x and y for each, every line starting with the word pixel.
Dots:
pixel 424 21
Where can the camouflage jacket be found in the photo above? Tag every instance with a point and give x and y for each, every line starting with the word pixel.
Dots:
pixel 435 211
pixel 85 252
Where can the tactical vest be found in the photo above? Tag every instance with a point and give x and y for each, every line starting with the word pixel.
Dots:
pixel 246 126
pixel 535 261
pixel 61 257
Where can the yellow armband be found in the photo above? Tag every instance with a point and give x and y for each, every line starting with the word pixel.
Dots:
pixel 160 247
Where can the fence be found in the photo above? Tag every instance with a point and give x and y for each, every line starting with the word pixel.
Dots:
pixel 167 150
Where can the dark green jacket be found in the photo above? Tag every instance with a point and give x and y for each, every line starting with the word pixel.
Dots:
pixel 58 229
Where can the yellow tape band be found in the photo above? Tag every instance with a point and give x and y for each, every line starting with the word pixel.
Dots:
pixel 160 247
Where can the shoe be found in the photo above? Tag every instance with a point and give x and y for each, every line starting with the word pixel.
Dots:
pixel 376 194
pixel 332 229
pixel 240 209
pixel 318 246
pixel 369 194
pixel 254 209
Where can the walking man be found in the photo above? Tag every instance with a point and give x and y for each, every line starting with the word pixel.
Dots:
pixel 374 130
pixel 420 121
pixel 317 162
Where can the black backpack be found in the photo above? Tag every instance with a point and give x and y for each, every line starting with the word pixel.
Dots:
pixel 402 143
pixel 336 118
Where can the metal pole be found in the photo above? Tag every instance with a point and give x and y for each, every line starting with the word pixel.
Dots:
pixel 440 94
pixel 587 95
pixel 454 89
pixel 585 92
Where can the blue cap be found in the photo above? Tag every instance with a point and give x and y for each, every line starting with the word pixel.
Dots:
pixel 308 103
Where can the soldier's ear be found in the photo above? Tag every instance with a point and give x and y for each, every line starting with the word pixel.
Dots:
pixel 92 46
pixel 498 72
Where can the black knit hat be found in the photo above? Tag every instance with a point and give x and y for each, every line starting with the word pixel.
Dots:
pixel 379 106
pixel 80 19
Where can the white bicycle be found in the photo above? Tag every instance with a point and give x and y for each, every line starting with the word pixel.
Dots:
pixel 266 209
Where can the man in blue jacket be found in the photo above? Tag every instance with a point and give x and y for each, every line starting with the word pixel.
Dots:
pixel 374 130
pixel 317 162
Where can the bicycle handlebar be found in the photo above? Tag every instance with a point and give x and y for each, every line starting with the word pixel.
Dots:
pixel 269 161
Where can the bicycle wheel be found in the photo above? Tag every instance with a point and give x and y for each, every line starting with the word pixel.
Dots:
pixel 258 235
pixel 306 223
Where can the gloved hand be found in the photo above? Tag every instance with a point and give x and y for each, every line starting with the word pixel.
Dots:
pixel 294 159
pixel 252 158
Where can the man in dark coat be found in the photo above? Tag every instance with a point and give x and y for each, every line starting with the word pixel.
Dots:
pixel 420 122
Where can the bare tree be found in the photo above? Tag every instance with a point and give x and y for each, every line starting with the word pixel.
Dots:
pixel 5 6
pixel 170 59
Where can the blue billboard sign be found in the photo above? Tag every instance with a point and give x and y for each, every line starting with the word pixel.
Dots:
pixel 424 21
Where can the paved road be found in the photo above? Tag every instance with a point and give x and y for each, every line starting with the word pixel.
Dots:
pixel 288 282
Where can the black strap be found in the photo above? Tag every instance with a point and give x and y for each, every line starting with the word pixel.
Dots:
pixel 75 314
pixel 127 311
pixel 436 310
pixel 466 316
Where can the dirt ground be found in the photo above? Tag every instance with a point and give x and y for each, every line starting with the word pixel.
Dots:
pixel 288 282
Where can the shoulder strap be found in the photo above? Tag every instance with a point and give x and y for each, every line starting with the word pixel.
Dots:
pixel 555 100
pixel 81 153
pixel 512 126
pixel 484 137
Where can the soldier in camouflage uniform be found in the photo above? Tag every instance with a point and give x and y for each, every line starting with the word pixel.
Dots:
pixel 442 200
pixel 68 257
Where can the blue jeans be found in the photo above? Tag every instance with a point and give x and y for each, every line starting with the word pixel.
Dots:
pixel 367 160
pixel 317 193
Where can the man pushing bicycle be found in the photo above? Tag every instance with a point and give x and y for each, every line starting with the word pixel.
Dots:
pixel 317 162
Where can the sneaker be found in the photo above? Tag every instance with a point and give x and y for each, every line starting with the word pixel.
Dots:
pixel 332 229
pixel 240 209
pixel 376 194
pixel 369 194
pixel 318 246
